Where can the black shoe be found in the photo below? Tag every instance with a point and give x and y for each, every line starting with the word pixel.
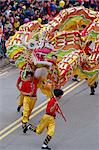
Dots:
pixel 18 109
pixel 24 126
pixel 46 147
pixel 32 127
pixel 92 90
pixel 28 127
pixel 25 129
pixel 92 93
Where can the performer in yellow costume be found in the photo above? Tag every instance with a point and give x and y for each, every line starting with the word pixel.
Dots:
pixel 48 120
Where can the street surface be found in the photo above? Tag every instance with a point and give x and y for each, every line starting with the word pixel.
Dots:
pixel 80 132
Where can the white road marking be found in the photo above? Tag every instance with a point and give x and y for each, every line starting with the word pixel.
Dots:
pixel 8 68
pixel 7 71
pixel 3 73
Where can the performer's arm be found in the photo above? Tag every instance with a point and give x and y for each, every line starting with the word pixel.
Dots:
pixel 18 83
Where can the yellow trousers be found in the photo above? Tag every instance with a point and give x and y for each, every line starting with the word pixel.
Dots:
pixel 90 80
pixel 47 122
pixel 80 74
pixel 20 103
pixel 28 105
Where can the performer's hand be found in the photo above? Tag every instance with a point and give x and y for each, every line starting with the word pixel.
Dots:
pixel 59 112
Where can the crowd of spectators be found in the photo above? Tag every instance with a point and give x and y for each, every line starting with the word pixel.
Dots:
pixel 14 13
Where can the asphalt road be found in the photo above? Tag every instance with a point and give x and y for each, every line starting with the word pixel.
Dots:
pixel 80 132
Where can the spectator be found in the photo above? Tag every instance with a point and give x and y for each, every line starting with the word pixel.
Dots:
pixel 86 3
pixel 1 49
pixel 92 4
pixel 53 6
pixel 16 23
pixel 8 25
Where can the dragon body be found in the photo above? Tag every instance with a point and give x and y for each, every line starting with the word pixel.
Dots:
pixel 66 37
